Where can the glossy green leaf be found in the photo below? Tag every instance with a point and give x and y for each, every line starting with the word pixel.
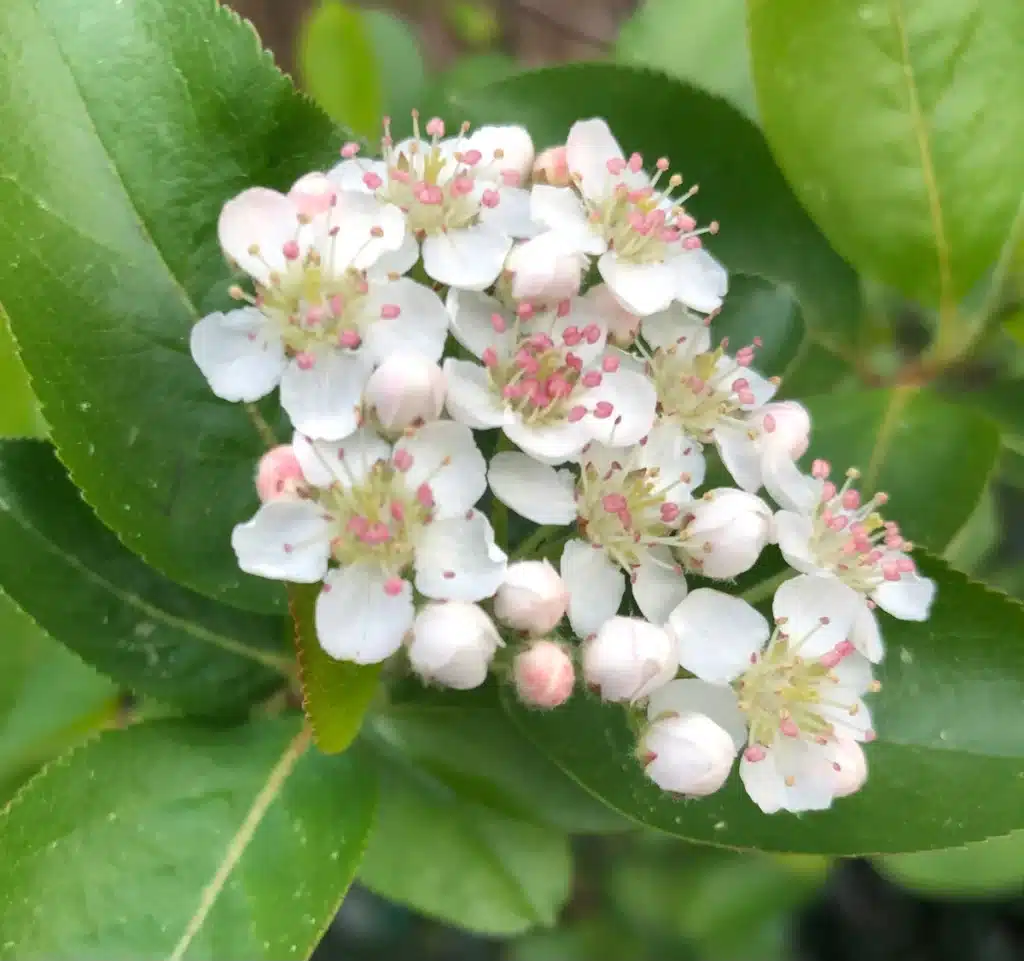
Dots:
pixel 896 125
pixel 460 862
pixel 764 229
pixel 467 741
pixel 399 63
pixel 985 868
pixel 134 125
pixel 49 699
pixel 181 842
pixel 934 458
pixel 475 71
pixel 704 43
pixel 335 694
pixel 950 715
pixel 71 574
pixel 19 412
pixel 979 536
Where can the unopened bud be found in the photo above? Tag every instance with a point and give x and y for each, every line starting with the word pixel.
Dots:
pixel 552 167
pixel 849 766
pixel 728 531
pixel 785 427
pixel 313 194
pixel 687 754
pixel 542 270
pixel 453 644
pixel 628 659
pixel 544 675
pixel 279 476
pixel 533 597
pixel 406 390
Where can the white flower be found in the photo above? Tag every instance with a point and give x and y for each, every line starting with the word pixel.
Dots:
pixel 460 197
pixel 453 644
pixel 628 659
pixel 542 272
pixel 379 512
pixel 850 767
pixel 789 697
pixel 623 326
pixel 532 598
pixel 686 754
pixel 726 531
pixel 279 475
pixel 649 247
pixel 552 389
pixel 544 675
pixel 318 323
pixel 773 436
pixel 406 390
pixel 834 533
pixel 552 167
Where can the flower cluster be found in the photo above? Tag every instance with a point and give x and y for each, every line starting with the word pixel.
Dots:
pixel 458 295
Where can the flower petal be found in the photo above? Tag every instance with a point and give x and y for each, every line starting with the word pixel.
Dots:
pixel 642 289
pixel 717 635
pixel 512 213
pixel 471 257
pixel 595 586
pixel 866 635
pixel 470 399
pixel 700 281
pixel 678 460
pixel 470 313
pixel 633 401
pixel 693 696
pixel 240 353
pixel 535 491
pixel 392 264
pixel 788 486
pixel 421 326
pixel 740 456
pixel 588 148
pixel 793 533
pixel 560 210
pixel 807 764
pixel 349 174
pixel 910 598
pixel 457 559
pixel 549 443
pixel 345 462
pixel 445 456
pixel 658 587
pixel 324 400
pixel 357 620
pixel 819 612
pixel 676 327
pixel 260 218
pixel 285 540
pixel 366 229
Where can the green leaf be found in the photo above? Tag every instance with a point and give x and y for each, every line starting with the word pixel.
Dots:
pixel 335 694
pixel 950 715
pixel 460 862
pixel 986 868
pixel 893 123
pixel 150 115
pixel 188 843
pixel 764 229
pixel 49 699
pixel 19 412
pixel 400 63
pixel 466 741
pixel 475 71
pixel 934 458
pixel 979 536
pixel 704 43
pixel 70 573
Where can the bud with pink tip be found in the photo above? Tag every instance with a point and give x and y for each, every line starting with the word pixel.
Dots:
pixel 552 167
pixel 628 659
pixel 533 597
pixel 544 675
pixel 406 390
pixel 453 644
pixel 623 326
pixel 543 270
pixel 279 476
pixel 728 531
pixel 850 767
pixel 687 754
pixel 785 427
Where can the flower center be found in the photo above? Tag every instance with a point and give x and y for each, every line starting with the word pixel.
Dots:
pixel 851 539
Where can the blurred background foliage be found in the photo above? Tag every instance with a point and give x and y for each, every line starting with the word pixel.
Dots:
pixel 635 895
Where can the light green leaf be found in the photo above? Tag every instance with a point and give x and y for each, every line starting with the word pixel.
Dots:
pixel 49 699
pixel 70 573
pixel 460 862
pixel 979 536
pixel 895 124
pixel 134 125
pixel 399 63
pixel 19 412
pixel 704 43
pixel 335 694
pixel 178 842
pixel 986 868
pixel 950 714
pixel 475 71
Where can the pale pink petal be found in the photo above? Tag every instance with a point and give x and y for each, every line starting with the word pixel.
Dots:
pixel 258 218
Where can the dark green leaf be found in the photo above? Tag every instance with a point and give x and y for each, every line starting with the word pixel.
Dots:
pixel 934 458
pixel 91 593
pixel 335 694
pixel 944 770
pixel 764 229
pixel 985 868
pixel 460 862
pixel 179 842
pixel 49 699
pixel 895 125
pixel 134 125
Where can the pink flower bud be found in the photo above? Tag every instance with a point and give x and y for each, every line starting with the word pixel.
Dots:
pixel 687 754
pixel 279 476
pixel 790 425
pixel 405 390
pixel 850 767
pixel 453 644
pixel 543 270
pixel 552 167
pixel 728 531
pixel 622 325
pixel 544 675
pixel 628 659
pixel 533 597
pixel 313 194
